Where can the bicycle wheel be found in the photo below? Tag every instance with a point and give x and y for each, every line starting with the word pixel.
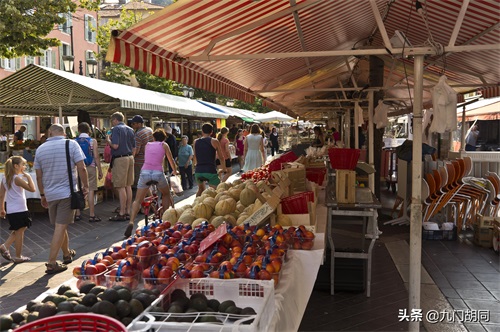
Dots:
pixel 151 208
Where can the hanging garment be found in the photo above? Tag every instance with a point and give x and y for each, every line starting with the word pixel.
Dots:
pixel 358 115
pixel 426 125
pixel 444 102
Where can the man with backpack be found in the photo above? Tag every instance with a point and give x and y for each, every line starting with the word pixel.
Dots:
pixel 93 163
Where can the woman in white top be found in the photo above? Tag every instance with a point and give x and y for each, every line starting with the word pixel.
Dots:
pixel 254 153
pixel 12 190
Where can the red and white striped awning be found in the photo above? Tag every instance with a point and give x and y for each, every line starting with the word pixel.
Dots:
pixel 308 56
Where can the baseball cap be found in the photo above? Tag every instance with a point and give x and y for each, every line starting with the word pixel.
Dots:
pixel 137 119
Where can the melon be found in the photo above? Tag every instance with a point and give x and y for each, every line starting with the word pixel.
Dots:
pixel 223 186
pixel 249 209
pixel 203 210
pixel 230 219
pixel 198 222
pixel 209 192
pixel 197 201
pixel 187 217
pixel 210 201
pixel 240 207
pixel 217 221
pixel 241 218
pixel 234 193
pixel 283 220
pixel 237 182
pixel 170 215
pixel 247 196
pixel 225 206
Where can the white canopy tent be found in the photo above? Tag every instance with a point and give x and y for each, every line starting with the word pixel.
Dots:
pixel 273 116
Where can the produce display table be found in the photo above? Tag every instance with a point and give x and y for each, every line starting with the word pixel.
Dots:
pixel 368 216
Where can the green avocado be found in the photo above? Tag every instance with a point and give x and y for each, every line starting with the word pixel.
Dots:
pixel 63 289
pixel 226 304
pixel 6 322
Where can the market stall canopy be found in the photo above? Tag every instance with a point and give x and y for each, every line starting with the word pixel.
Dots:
pixel 486 109
pixel 36 90
pixel 274 116
pixel 245 115
pixel 314 56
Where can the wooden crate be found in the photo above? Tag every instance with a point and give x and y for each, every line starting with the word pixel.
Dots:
pixel 345 186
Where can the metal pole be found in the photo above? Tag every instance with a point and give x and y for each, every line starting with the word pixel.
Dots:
pixel 462 136
pixel 60 115
pixel 371 152
pixel 347 127
pixel 416 193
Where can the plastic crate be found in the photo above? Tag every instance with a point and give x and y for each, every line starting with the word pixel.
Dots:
pixel 343 158
pixel 297 204
pixel 131 282
pixel 74 322
pixel 258 294
pixel 287 157
pixel 316 175
pixel 448 235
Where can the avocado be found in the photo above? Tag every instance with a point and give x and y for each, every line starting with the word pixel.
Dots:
pixel 184 302
pixel 147 291
pixel 110 295
pixel 107 308
pixel 144 299
pixel 118 287
pixel 87 288
pixel 198 295
pixel 127 320
pixel 80 308
pixel 17 317
pixel 32 317
pixel 70 293
pixel 89 299
pixel 226 304
pixel 47 309
pixel 37 307
pixel 177 294
pixel 62 313
pixel 156 292
pixel 31 304
pixel 122 308
pixel 233 310
pixel 208 319
pixel 136 308
pixel 248 311
pixel 214 304
pixel 95 307
pixel 59 298
pixel 175 308
pixel 199 303
pixel 6 322
pixel 156 309
pixel 65 306
pixel 48 298
pixel 124 294
pixel 63 289
pixel 97 290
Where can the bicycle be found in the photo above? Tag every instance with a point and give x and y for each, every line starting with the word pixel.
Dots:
pixel 152 202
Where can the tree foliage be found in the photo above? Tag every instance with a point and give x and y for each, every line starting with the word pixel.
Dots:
pixel 24 24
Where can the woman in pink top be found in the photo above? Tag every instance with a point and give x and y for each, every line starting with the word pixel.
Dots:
pixel 152 170
pixel 240 148
pixel 224 145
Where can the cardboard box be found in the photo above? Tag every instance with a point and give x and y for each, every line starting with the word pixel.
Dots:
pixel 484 221
pixel 345 186
pixel 297 177
pixel 483 236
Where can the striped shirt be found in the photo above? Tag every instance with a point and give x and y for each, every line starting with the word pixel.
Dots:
pixel 50 157
pixel 142 137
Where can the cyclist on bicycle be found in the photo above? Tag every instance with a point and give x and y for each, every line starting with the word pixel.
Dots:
pixel 152 172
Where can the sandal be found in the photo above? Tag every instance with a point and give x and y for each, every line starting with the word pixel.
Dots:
pixel 117 210
pixel 118 217
pixel 94 219
pixel 78 218
pixel 68 259
pixel 5 253
pixel 55 268
pixel 128 231
pixel 22 259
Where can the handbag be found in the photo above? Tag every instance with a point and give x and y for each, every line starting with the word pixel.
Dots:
pixel 108 183
pixel 107 153
pixel 175 184
pixel 77 197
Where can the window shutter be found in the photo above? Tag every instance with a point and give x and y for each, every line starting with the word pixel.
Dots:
pixel 86 28
pixel 18 63
pixel 61 64
pixel 53 58
pixel 69 22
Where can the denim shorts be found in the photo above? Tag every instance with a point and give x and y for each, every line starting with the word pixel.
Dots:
pixel 147 176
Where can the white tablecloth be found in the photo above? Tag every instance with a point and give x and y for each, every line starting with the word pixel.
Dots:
pixel 35 194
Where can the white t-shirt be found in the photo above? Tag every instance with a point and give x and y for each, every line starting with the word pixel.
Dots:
pixel 15 197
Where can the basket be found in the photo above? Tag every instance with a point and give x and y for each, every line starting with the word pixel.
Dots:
pixel 258 294
pixel 316 175
pixel 287 157
pixel 297 204
pixel 74 322
pixel 343 158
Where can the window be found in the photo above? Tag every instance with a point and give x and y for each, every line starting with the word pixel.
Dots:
pixel 64 49
pixel 10 64
pixel 66 26
pixel 29 60
pixel 48 59
pixel 90 29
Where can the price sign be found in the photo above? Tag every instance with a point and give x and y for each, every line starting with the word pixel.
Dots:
pixel 212 238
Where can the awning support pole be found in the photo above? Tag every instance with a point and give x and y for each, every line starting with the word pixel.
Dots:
pixel 371 152
pixel 60 115
pixel 416 193
pixel 462 136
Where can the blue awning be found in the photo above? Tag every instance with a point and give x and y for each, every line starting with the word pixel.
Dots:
pixel 245 115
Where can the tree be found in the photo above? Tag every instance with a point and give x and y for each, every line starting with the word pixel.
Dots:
pixel 25 24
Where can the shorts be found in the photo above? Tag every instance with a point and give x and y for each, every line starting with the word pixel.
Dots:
pixel 228 162
pixel 123 172
pixel 60 212
pixel 19 220
pixel 91 172
pixel 212 178
pixel 147 176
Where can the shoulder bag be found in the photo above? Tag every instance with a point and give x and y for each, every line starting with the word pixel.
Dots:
pixel 77 197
